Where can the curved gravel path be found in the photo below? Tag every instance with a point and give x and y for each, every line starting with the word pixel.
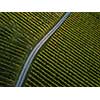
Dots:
pixel 36 49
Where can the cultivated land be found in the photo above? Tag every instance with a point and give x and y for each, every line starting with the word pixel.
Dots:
pixel 71 57
pixel 37 48
pixel 19 33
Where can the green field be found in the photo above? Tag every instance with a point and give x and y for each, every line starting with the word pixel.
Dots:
pixel 71 57
pixel 19 33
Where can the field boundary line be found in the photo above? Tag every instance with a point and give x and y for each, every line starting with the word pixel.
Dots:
pixel 31 56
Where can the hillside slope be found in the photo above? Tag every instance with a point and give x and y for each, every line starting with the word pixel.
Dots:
pixel 19 33
pixel 71 57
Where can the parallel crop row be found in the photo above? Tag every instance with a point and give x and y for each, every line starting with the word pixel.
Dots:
pixel 71 57
pixel 19 33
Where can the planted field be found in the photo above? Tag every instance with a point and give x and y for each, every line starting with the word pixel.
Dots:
pixel 19 33
pixel 71 57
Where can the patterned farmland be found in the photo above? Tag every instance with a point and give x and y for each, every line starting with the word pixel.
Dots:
pixel 19 33
pixel 71 57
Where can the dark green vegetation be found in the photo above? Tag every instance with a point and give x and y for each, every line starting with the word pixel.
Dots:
pixel 97 14
pixel 19 33
pixel 71 57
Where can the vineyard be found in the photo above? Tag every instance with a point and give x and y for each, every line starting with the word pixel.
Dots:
pixel 69 58
pixel 19 33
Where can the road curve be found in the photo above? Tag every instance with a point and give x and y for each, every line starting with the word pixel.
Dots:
pixel 36 49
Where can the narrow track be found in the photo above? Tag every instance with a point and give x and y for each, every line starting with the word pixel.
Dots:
pixel 36 49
